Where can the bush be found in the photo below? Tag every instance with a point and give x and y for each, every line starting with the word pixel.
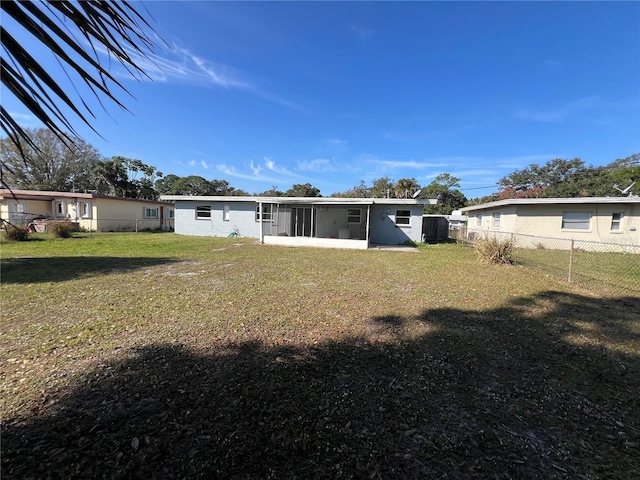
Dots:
pixel 61 229
pixel 12 232
pixel 494 251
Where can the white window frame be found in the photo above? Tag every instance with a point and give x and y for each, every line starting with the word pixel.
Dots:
pixel 578 220
pixel 203 212
pixel 497 219
pixel 403 218
pixel 170 213
pixel 85 209
pixel 479 220
pixel 226 213
pixel 616 223
pixel 151 212
pixel 267 212
pixel 59 208
pixel 354 216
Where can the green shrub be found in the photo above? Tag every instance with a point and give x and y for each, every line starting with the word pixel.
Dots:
pixel 61 229
pixel 495 251
pixel 17 233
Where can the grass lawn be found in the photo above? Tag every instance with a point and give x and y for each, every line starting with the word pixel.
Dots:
pixel 160 356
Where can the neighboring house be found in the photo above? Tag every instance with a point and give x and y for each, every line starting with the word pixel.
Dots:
pixel 90 211
pixel 310 221
pixel 613 220
pixel 457 220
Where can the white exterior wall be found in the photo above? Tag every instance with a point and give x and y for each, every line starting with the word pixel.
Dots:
pixel 241 216
pixel 384 229
pixel 329 220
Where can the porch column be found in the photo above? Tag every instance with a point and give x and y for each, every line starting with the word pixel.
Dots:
pixel 368 224
pixel 260 222
pixel 313 214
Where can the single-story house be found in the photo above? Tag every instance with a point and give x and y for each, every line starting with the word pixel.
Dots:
pixel 90 211
pixel 309 221
pixel 614 220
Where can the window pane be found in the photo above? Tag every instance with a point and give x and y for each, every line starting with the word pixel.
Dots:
pixel 403 217
pixel 203 211
pixel 496 220
pixel 616 221
pixel 354 215
pixel 576 220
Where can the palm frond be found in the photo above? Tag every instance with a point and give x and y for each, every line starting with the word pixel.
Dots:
pixel 113 26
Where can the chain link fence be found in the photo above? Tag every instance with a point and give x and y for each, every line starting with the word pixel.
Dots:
pixel 37 223
pixel 605 267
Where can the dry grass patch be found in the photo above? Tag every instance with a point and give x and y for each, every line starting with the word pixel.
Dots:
pixel 167 356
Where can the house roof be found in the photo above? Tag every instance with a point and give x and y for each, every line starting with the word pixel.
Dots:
pixel 301 200
pixel 552 201
pixel 6 194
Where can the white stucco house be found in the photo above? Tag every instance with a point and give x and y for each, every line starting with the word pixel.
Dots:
pixel 302 221
pixel 611 220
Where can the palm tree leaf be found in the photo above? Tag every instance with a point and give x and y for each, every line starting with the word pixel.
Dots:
pixel 115 26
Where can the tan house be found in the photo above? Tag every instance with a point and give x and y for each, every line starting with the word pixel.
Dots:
pixel 91 211
pixel 539 221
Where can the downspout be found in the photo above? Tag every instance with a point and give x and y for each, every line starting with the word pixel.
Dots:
pixel 260 222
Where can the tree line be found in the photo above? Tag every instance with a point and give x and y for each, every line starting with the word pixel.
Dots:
pixel 48 163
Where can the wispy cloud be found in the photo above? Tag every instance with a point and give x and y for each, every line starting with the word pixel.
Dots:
pixel 362 34
pixel 411 164
pixel 179 64
pixel 265 171
pixel 562 112
pixel 204 165
pixel 316 165
pixel 524 160
pixel 271 166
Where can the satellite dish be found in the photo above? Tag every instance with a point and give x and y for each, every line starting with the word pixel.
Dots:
pixel 626 190
pixel 415 195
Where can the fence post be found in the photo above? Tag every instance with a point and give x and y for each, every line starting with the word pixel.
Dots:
pixel 571 261
pixel 137 229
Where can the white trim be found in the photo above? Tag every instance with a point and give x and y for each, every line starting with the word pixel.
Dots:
pixel 552 201
pixel 303 200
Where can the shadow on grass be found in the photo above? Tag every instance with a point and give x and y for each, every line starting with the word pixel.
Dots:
pixel 546 387
pixel 58 269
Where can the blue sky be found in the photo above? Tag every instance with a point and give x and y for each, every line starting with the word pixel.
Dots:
pixel 277 93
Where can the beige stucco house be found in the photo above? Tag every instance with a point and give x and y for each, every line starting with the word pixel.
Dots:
pixel 611 220
pixel 91 211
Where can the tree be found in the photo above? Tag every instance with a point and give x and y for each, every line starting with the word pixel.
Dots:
pixel 306 190
pixel 557 178
pixel 272 192
pixel 406 187
pixel 164 186
pixel 46 163
pixel 74 32
pixel 561 178
pixel 120 176
pixel 111 177
pixel 382 187
pixel 359 191
pixel 449 198
pixel 191 185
